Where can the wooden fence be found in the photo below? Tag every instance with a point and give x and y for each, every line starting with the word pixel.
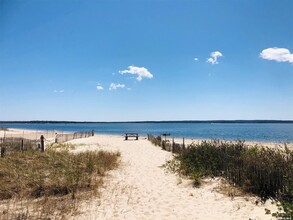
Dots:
pixel 167 145
pixel 263 171
pixel 61 138
pixel 10 144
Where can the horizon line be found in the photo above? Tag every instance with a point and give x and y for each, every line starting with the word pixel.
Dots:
pixel 150 121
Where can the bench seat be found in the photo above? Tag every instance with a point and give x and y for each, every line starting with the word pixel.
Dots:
pixel 127 135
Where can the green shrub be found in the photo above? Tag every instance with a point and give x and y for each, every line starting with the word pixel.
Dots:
pixel 265 172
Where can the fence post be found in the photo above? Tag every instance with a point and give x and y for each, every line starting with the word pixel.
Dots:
pixel 173 146
pixel 93 132
pixel 21 146
pixel 2 148
pixel 2 151
pixel 42 143
pixel 183 146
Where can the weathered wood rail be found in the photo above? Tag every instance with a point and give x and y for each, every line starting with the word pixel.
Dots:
pixel 10 144
pixel 61 138
pixel 167 145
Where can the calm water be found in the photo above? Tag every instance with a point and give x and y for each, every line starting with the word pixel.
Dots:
pixel 230 131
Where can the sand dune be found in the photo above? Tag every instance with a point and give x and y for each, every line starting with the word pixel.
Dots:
pixel 27 134
pixel 142 189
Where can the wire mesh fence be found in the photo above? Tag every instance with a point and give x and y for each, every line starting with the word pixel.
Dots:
pixel 167 143
pixel 10 144
pixel 36 140
pixel 264 171
pixel 61 138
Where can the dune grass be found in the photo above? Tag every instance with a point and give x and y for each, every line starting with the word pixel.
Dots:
pixel 262 171
pixel 51 176
pixel 4 129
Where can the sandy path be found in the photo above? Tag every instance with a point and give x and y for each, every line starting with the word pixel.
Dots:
pixel 142 189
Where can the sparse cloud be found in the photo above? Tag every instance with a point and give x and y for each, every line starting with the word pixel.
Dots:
pixel 99 87
pixel 195 59
pixel 277 54
pixel 58 91
pixel 114 86
pixel 141 72
pixel 214 57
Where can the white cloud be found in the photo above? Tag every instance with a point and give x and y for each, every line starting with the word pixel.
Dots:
pixel 141 72
pixel 214 57
pixel 99 87
pixel 58 91
pixel 196 59
pixel 277 54
pixel 114 86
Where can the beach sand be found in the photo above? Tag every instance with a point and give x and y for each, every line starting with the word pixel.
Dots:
pixel 26 133
pixel 30 134
pixel 142 189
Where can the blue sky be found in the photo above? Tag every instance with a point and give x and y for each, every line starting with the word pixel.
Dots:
pixel 146 60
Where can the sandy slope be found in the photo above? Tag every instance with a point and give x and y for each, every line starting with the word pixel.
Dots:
pixel 142 189
pixel 28 134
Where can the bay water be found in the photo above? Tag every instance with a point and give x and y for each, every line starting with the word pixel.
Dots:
pixel 268 132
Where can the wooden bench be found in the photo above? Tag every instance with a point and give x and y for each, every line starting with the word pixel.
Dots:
pixel 127 135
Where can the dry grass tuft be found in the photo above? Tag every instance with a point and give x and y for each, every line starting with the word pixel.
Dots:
pixel 51 181
pixel 228 189
pixel 4 129
pixel 62 146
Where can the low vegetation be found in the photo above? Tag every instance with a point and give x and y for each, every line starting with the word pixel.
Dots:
pixel 56 175
pixel 262 171
pixel 18 144
pixel 166 144
pixel 3 129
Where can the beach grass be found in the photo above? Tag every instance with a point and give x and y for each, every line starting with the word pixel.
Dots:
pixel 262 171
pixel 4 129
pixel 51 176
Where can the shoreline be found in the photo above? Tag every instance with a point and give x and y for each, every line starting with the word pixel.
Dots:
pixel 28 133
pixel 256 121
pixel 16 132
pixel 259 132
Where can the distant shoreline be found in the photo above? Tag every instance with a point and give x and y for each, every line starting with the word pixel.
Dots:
pixel 182 121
